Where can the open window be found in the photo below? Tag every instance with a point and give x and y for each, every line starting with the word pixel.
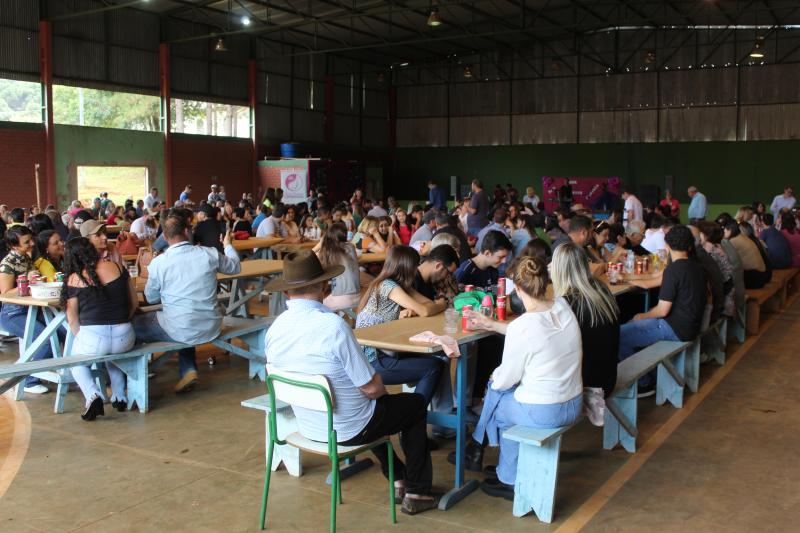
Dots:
pixel 121 183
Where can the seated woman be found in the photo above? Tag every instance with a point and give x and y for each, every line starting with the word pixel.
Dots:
pixel 597 242
pixel 391 296
pixel 96 233
pixel 756 274
pixel 19 240
pixel 243 220
pixel 789 230
pixel 335 250
pixel 309 230
pixel 100 300
pixel 538 384
pixel 597 313
pixel 403 226
pixel 50 254
pixel 367 238
pixel 710 241
pixel 289 227
pixel 387 232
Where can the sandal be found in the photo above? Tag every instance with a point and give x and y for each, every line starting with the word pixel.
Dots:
pixel 412 506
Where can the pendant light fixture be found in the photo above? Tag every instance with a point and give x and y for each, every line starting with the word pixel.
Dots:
pixel 758 49
pixel 468 72
pixel 434 19
pixel 219 46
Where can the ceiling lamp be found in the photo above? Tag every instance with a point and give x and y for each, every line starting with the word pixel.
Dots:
pixel 434 19
pixel 245 20
pixel 468 72
pixel 381 77
pixel 649 57
pixel 219 46
pixel 758 49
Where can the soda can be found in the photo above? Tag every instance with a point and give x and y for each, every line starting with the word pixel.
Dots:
pixel 501 307
pixel 465 318
pixel 23 289
pixel 60 277
pixel 469 288
pixel 501 287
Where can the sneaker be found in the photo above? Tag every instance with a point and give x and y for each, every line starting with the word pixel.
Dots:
pixel 644 392
pixel 37 389
pixel 187 382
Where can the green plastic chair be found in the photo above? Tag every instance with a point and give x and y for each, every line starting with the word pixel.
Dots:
pixel 293 388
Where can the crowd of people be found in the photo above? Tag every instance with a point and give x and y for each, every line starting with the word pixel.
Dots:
pixel 564 345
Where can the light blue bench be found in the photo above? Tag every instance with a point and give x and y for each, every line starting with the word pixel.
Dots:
pixel 620 414
pixel 135 362
pixel 287 424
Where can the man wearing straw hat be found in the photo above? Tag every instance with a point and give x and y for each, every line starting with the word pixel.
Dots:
pixel 310 339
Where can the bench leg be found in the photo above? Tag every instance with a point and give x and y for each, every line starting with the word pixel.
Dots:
pixel 671 378
pixel 753 317
pixel 715 343
pixel 138 386
pixel 61 395
pixel 692 366
pixel 286 454
pixel 736 330
pixel 537 472
pixel 619 426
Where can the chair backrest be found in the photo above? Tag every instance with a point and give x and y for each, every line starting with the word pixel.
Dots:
pixel 296 389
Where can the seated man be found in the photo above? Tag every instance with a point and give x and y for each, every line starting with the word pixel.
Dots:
pixel 184 280
pixel 308 338
pixel 681 303
pixel 272 226
pixel 778 250
pixel 580 232
pixel 482 270
pixel 439 264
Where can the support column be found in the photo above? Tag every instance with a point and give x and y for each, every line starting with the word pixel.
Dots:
pixel 252 96
pixel 329 109
pixel 392 117
pixel 46 70
pixel 166 120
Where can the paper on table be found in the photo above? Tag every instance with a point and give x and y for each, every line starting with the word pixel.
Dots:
pixel 509 286
pixel 448 344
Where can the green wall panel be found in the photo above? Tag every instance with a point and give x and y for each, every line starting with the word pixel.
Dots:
pixel 82 145
pixel 727 172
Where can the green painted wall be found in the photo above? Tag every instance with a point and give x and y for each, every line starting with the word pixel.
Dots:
pixel 82 145
pixel 727 172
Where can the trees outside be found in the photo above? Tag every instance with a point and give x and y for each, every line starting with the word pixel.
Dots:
pixel 105 109
pixel 20 101
pixel 208 118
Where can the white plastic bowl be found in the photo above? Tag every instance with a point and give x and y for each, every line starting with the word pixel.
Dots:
pixel 46 291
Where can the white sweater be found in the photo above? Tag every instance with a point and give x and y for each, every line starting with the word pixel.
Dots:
pixel 542 353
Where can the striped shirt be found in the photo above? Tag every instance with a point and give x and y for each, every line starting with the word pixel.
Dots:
pixel 310 339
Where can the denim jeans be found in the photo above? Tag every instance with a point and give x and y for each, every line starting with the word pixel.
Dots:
pixel 101 340
pixel 422 370
pixel 638 334
pixel 13 318
pixel 502 411
pixel 148 329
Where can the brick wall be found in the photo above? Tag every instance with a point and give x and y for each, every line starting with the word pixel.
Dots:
pixel 197 159
pixel 20 149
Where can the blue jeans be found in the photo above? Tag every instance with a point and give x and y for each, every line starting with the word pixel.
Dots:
pixel 502 411
pixel 638 334
pixel 424 371
pixel 148 329
pixel 13 318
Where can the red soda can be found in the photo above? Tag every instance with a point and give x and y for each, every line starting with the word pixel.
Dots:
pixel 22 285
pixel 464 318
pixel 501 287
pixel 469 288
pixel 501 307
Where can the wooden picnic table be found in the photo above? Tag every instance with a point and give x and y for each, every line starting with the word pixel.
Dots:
pixel 255 243
pixel 113 228
pixel 369 257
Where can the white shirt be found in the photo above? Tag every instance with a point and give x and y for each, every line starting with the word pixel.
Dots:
pixel 270 226
pixel 654 240
pixel 140 229
pixel 779 202
pixel 150 201
pixel 310 339
pixel 533 200
pixel 542 353
pixel 633 204
pixel 377 212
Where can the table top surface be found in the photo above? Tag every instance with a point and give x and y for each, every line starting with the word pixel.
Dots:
pixel 256 242
pixel 12 297
pixel 254 268
pixel 294 246
pixel 369 257
pixel 113 228
pixel 394 335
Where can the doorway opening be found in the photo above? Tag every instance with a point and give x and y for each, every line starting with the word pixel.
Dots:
pixel 121 183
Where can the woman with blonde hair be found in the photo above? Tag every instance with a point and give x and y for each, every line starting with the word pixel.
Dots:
pixel 538 383
pixel 367 238
pixel 597 313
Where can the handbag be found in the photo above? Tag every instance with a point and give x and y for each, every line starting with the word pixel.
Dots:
pixel 144 257
pixel 473 298
pixel 128 243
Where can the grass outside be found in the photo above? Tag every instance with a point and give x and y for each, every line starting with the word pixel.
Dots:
pixel 120 183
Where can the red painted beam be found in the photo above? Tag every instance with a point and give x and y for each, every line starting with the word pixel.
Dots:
pixel 252 93
pixel 166 121
pixel 46 69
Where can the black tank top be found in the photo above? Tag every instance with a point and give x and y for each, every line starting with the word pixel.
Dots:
pixel 108 306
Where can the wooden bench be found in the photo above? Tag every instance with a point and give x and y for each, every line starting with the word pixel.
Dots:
pixel 135 362
pixel 620 414
pixel 769 297
pixel 785 278
pixel 287 424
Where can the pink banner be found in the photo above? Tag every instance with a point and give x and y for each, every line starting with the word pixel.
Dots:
pixel 585 191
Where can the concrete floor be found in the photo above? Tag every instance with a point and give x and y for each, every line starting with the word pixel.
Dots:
pixel 726 462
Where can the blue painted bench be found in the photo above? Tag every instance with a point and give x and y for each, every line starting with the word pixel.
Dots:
pixel 135 362
pixel 620 414
pixel 287 424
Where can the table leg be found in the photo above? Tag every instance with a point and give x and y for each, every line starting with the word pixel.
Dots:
pixel 27 340
pixel 461 489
